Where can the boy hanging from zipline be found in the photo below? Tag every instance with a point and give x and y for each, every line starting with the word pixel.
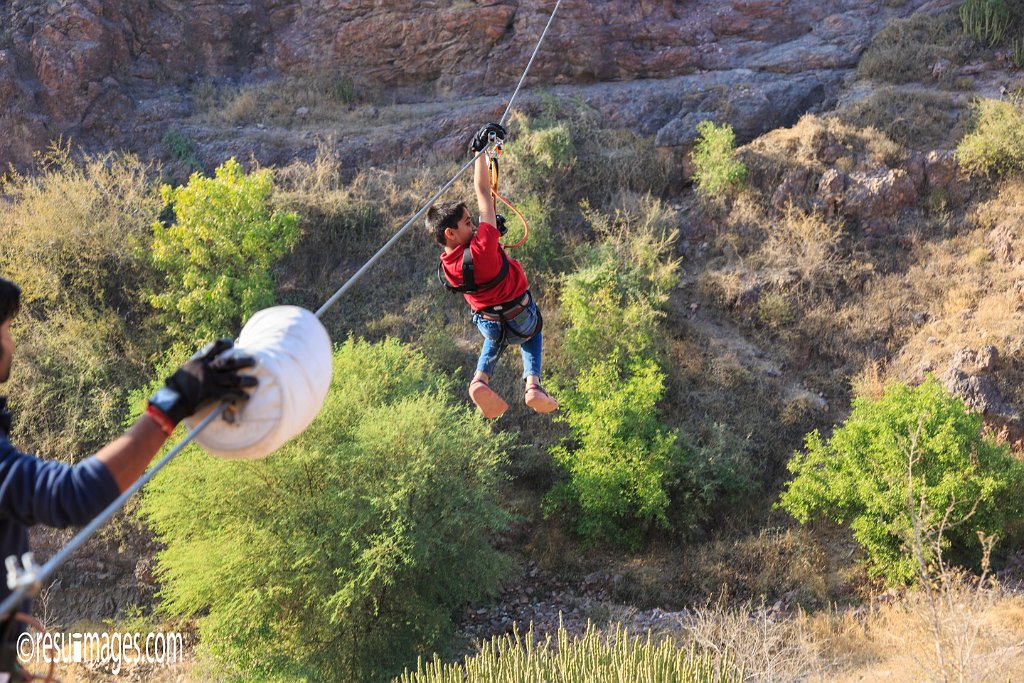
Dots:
pixel 474 263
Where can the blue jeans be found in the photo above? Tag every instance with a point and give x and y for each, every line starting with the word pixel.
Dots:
pixel 516 331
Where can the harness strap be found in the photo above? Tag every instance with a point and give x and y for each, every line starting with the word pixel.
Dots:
pixel 500 309
pixel 469 285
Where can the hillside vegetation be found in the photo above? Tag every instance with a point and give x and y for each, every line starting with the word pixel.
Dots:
pixel 787 390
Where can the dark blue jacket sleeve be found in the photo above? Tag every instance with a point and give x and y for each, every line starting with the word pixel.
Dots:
pixel 34 491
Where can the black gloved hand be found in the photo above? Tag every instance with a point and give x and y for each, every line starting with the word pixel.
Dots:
pixel 499 223
pixel 483 136
pixel 6 417
pixel 203 379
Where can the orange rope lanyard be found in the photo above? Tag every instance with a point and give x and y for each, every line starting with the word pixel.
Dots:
pixel 493 168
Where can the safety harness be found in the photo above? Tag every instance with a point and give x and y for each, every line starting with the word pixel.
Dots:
pixel 498 311
pixel 469 285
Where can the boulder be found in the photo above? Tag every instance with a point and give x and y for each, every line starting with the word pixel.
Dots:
pixel 831 190
pixel 879 194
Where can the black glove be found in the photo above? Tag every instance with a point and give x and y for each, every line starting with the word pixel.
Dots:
pixel 499 223
pixel 483 136
pixel 6 417
pixel 203 379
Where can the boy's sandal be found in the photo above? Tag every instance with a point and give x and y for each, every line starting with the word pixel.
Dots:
pixel 540 400
pixel 489 403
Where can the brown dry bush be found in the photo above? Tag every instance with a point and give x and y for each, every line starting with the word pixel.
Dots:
pixel 906 49
pixel 74 236
pixel 1005 212
pixel 981 636
pixel 805 246
pixel 965 632
pixel 767 648
pixel 817 143
pixel 764 566
pixel 325 97
pixel 914 118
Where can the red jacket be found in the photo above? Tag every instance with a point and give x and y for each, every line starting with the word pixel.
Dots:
pixel 485 248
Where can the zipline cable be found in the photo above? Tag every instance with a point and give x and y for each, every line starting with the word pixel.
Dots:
pixel 29 577
pixel 380 252
pixel 32 579
pixel 529 64
pixel 373 259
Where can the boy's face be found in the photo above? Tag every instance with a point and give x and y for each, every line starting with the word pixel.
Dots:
pixel 463 233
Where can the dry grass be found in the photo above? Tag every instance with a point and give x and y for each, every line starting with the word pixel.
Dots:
pixel 804 245
pixel 178 668
pixel 761 567
pixel 182 672
pixel 817 143
pixel 317 102
pixel 915 118
pixel 941 281
pixel 768 646
pixel 1006 210
pixel 980 632
pixel 315 98
pixel 906 49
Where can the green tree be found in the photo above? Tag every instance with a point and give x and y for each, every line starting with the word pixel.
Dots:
pixel 346 553
pixel 624 460
pixel 216 254
pixel 716 170
pixel 615 299
pixel 912 446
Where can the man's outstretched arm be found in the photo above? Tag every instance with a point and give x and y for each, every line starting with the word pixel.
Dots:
pixel 34 491
pixel 128 456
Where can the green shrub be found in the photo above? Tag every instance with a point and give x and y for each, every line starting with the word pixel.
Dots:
pixel 565 155
pixel 346 553
pixel 996 144
pixel 606 307
pixel 216 255
pixel 616 298
pixel 913 445
pixel 615 656
pixel 986 21
pixel 626 472
pixel 73 236
pixel 624 460
pixel 184 149
pixel 716 170
pixel 540 158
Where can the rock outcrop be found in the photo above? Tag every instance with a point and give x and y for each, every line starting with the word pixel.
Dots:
pixel 117 74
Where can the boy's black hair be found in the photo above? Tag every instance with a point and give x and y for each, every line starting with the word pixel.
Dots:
pixel 442 216
pixel 10 300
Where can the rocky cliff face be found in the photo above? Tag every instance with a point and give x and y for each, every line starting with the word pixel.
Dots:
pixel 116 74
